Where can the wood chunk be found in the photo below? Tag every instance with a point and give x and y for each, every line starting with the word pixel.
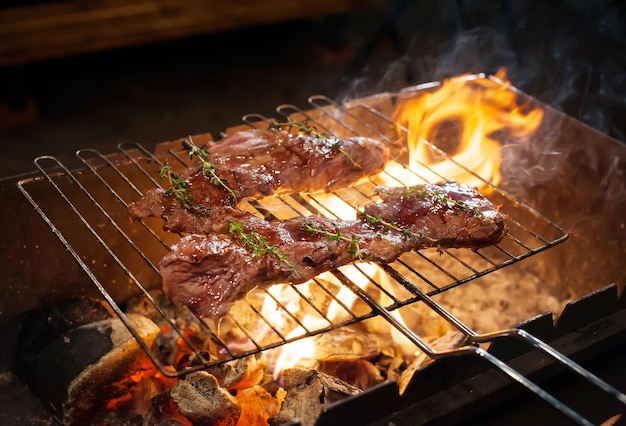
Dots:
pixel 307 393
pixel 394 366
pixel 200 399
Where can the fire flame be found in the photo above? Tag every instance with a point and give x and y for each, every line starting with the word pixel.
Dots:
pixel 453 132
pixel 466 119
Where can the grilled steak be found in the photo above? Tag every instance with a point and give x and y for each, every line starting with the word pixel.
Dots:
pixel 257 163
pixel 209 273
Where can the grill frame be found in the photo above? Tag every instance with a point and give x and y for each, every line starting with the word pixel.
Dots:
pixel 134 154
pixel 95 163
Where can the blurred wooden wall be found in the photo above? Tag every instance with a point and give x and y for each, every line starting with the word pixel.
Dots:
pixel 53 29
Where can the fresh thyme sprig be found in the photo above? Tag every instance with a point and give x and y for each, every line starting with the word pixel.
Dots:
pixel 178 185
pixel 378 220
pixel 207 167
pixel 310 130
pixel 337 145
pixel 353 239
pixel 301 126
pixel 443 198
pixel 178 188
pixel 258 244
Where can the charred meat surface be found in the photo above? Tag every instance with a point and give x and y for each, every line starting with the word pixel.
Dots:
pixel 257 163
pixel 208 273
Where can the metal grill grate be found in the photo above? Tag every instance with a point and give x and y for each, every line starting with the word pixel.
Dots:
pixel 87 210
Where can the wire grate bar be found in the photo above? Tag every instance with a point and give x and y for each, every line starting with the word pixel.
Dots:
pixel 413 279
pixel 78 258
pixel 312 204
pixel 137 157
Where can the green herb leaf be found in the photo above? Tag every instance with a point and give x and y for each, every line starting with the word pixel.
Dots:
pixel 208 169
pixel 354 239
pixel 258 244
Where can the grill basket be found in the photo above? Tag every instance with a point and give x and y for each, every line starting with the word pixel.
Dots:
pixel 87 209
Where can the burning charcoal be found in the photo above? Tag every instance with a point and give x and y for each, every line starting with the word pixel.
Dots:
pixel 361 373
pixel 345 344
pixel 343 353
pixel 41 326
pixel 180 352
pixel 81 371
pixel 199 398
pixel 170 347
pixel 245 373
pixel 257 406
pixel 307 393
pixel 165 412
pixel 143 306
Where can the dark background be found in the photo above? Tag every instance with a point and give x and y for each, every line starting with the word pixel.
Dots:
pixel 570 54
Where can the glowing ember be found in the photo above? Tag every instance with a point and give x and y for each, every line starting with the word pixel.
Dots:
pixel 463 118
pixel 294 352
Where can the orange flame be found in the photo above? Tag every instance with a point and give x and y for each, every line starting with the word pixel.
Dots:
pixel 453 132
pixel 464 118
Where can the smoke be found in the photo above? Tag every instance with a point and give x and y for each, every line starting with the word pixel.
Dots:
pixel 570 54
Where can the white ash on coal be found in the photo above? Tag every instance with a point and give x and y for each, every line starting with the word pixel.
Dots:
pixel 199 398
pixel 79 370
pixel 308 391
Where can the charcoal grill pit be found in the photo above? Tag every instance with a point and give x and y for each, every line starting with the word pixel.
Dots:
pixel 119 257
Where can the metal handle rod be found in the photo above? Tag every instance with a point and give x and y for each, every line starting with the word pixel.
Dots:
pixel 477 351
pixel 516 332
pixel 556 355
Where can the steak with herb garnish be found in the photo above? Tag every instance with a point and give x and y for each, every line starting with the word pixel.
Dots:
pixel 256 163
pixel 208 273
pixel 456 215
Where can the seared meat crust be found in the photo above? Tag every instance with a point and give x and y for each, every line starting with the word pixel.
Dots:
pixel 257 163
pixel 208 273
